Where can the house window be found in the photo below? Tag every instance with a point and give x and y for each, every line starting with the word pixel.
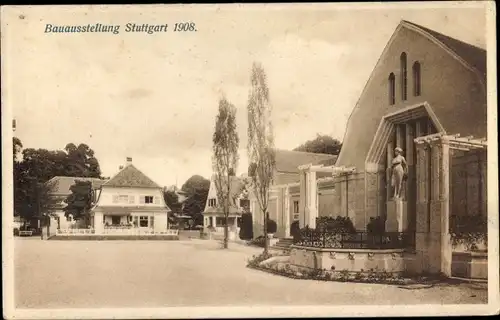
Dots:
pixel 143 221
pixel 212 202
pixel 295 207
pixel 392 89
pixel 148 199
pixel 120 198
pixel 404 78
pixel 219 222
pixel 417 86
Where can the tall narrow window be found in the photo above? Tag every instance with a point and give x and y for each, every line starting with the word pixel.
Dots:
pixel 404 79
pixel 417 85
pixel 392 89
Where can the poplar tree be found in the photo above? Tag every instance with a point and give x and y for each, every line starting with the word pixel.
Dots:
pixel 225 158
pixel 261 152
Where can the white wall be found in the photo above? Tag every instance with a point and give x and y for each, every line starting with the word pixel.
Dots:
pixel 134 194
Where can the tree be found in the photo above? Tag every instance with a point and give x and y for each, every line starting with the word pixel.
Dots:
pixel 172 200
pixel 38 166
pixel 81 161
pixel 17 147
pixel 225 157
pixel 79 201
pixel 196 189
pixel 321 144
pixel 261 152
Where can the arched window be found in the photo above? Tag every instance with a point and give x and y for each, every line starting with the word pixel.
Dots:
pixel 417 85
pixel 392 89
pixel 404 79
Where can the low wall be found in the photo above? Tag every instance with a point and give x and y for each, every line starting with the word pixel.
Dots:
pixel 114 237
pixel 473 265
pixel 352 260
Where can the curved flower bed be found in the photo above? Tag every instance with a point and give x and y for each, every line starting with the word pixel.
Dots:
pixel 287 270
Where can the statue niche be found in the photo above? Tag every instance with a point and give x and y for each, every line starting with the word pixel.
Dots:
pixel 398 172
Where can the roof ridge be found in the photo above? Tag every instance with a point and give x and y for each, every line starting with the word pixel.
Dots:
pixel 428 30
pixel 147 179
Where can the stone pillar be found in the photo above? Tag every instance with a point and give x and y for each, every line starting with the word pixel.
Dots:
pixel 98 224
pixel 287 211
pixel 409 186
pixel 390 155
pixel 422 206
pixel 312 197
pixel 440 241
pixel 302 200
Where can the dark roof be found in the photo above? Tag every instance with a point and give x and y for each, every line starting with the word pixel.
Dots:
pixel 289 161
pixel 62 184
pixel 474 56
pixel 132 177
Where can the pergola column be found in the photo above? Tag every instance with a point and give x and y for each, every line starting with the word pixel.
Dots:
pixel 433 244
pixel 302 199
pixel 287 211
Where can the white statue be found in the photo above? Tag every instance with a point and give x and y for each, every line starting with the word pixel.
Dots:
pixel 399 172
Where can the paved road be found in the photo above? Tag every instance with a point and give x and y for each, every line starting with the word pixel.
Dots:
pixel 87 274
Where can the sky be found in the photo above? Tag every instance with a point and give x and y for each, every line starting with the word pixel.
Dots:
pixel 155 97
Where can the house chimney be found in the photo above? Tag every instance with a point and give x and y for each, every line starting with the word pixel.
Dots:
pixel 129 160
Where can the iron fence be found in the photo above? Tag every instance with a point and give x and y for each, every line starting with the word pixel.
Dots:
pixel 355 240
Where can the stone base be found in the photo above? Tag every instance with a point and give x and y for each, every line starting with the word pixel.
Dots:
pixel 397 218
pixel 472 265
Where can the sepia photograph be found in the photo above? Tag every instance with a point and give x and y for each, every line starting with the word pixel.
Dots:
pixel 257 160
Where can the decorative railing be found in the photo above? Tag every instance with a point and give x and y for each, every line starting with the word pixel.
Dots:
pixel 74 231
pixel 354 240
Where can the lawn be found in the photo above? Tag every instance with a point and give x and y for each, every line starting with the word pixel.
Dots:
pixel 91 274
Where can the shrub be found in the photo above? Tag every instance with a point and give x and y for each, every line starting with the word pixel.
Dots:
pixel 246 227
pixel 376 226
pixel 295 231
pixel 469 230
pixel 259 241
pixel 272 227
pixel 336 225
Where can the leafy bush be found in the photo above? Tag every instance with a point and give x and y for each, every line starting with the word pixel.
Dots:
pixel 246 228
pixel 336 225
pixel 259 241
pixel 376 226
pixel 469 230
pixel 272 227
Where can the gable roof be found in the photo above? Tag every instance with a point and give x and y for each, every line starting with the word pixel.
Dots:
pixel 131 177
pixel 62 184
pixel 288 161
pixel 472 55
pixel 463 118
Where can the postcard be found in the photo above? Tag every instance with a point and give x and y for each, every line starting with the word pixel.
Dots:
pixel 249 160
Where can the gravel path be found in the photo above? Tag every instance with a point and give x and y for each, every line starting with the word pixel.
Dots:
pixel 91 274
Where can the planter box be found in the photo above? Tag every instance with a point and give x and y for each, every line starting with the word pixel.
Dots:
pixel 472 265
